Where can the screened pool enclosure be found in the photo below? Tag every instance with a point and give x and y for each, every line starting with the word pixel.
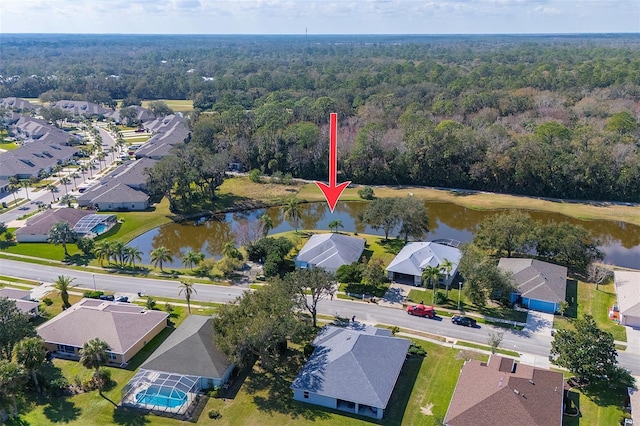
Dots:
pixel 161 392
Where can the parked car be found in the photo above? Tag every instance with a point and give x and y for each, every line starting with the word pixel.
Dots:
pixel 109 297
pixel 462 320
pixel 421 310
pixel 124 299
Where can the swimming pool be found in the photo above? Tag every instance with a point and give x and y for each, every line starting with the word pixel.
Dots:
pixel 162 397
pixel 99 228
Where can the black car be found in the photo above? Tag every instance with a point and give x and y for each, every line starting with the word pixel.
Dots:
pixel 466 321
pixel 109 297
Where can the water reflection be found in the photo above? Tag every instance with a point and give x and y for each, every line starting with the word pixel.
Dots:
pixel 620 241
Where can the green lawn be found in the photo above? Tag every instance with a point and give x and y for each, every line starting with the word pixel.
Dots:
pixel 426 296
pixel 8 146
pixel 599 405
pixel 594 302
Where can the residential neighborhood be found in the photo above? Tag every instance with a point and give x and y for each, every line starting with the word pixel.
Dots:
pixel 318 230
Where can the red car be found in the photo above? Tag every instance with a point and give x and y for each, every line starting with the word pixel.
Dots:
pixel 421 311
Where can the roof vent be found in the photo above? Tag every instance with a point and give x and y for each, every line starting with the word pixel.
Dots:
pixel 516 391
pixel 531 381
pixel 349 336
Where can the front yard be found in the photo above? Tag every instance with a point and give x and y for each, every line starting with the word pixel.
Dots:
pixel 594 302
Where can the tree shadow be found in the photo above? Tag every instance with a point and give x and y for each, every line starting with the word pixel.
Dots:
pixel 392 246
pixel 571 415
pixel 78 260
pixel 61 410
pixel 129 417
pixel 572 299
pixel 399 400
pixel 279 397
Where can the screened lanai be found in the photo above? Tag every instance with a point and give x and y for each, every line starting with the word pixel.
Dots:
pixel 161 392
pixel 94 224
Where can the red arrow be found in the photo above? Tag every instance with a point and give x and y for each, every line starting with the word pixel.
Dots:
pixel 333 191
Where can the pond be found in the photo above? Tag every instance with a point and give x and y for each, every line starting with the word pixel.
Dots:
pixel 619 241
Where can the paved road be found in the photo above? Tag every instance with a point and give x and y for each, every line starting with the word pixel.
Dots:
pixel 519 341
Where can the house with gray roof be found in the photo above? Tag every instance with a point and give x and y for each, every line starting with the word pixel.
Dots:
pixel 23 301
pixel 502 392
pixel 628 297
pixel 330 251
pixel 124 326
pixel 408 265
pixel 142 114
pixel 190 351
pixel 79 108
pixel 114 196
pixel 37 228
pixel 352 369
pixel 30 129
pixel 17 104
pixel 32 159
pixel 539 285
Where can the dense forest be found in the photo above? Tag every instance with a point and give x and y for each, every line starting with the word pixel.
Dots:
pixel 553 116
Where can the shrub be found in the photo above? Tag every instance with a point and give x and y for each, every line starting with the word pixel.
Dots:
pixel 366 193
pixel 351 273
pixel 440 298
pixel 93 294
pixel 214 414
pixel 255 175
pixel 308 350
pixel 47 301
pixel 417 350
pixel 151 303
pixel 168 307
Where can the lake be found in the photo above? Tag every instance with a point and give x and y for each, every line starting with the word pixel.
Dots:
pixel 619 241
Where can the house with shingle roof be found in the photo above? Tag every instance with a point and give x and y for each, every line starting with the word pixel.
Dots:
pixel 540 286
pixel 79 108
pixel 408 265
pixel 37 228
pixel 31 159
pixel 17 104
pixel 628 296
pixel 190 350
pixel 22 298
pixel 502 392
pixel 114 196
pixel 330 251
pixel 352 369
pixel 125 327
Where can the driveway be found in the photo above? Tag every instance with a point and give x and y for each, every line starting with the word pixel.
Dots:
pixel 539 323
pixel 633 340
pixel 396 295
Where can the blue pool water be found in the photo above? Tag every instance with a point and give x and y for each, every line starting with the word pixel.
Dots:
pixel 99 228
pixel 161 397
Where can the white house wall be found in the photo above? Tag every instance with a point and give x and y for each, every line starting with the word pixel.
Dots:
pixel 314 398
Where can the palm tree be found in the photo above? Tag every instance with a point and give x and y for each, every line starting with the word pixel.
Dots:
pixel 83 170
pixel 26 188
pixel 230 250
pixel 131 254
pixel 187 288
pixel 161 255
pixel 63 284
pixel 446 265
pixel 65 181
pixel 335 224
pixel 292 211
pixel 62 233
pixel 267 224
pixel 116 251
pixel 30 353
pixel 74 176
pixel 101 157
pixel 431 274
pixel 11 377
pixel 94 354
pixel 192 258
pixel 12 190
pixel 101 251
pixel 53 190
pixel 67 199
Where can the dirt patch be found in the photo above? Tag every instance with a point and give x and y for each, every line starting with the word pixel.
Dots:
pixel 427 410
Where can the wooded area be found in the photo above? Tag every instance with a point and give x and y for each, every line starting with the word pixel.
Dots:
pixel 553 116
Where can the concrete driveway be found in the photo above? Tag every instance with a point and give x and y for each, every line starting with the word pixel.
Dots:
pixel 539 323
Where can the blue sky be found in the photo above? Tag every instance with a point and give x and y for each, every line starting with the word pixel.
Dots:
pixel 319 16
